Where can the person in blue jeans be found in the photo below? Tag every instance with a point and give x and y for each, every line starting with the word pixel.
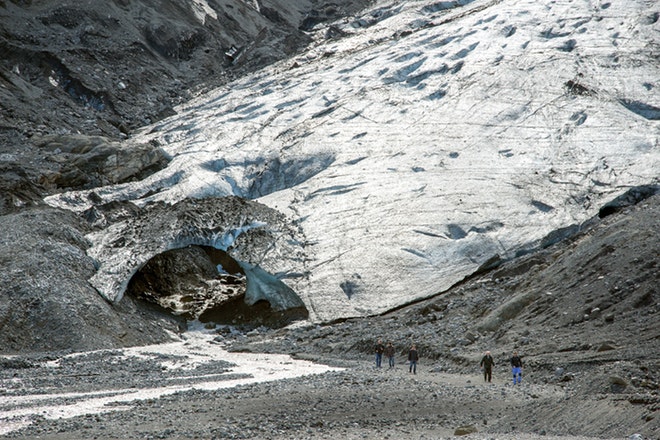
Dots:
pixel 516 367
pixel 380 348
pixel 413 357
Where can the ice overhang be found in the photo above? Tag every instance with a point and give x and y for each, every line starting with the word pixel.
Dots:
pixel 257 237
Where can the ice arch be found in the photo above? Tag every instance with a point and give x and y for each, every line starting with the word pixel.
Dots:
pixel 259 238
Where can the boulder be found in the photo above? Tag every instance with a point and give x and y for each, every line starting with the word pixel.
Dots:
pixel 465 430
pixel 90 161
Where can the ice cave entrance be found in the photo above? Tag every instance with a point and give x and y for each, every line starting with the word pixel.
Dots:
pixel 206 284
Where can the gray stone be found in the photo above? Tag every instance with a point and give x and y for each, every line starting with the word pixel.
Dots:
pixel 96 160
pixel 606 346
pixel 465 430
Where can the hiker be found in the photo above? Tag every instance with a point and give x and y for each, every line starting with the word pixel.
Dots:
pixel 389 353
pixel 487 363
pixel 380 348
pixel 413 357
pixel 516 367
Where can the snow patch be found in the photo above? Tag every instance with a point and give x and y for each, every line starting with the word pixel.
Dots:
pixel 202 10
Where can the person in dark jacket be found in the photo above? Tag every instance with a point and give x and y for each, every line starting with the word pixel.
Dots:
pixel 380 348
pixel 516 367
pixel 389 353
pixel 487 363
pixel 413 357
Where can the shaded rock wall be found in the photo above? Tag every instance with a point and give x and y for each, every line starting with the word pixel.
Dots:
pixel 46 302
pixel 109 67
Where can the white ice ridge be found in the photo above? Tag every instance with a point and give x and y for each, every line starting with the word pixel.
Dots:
pixel 427 141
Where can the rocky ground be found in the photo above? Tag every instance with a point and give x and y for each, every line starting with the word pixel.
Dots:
pixel 359 402
pixel 583 314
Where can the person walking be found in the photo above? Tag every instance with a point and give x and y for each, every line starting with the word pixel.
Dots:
pixel 487 363
pixel 413 357
pixel 516 367
pixel 389 353
pixel 380 348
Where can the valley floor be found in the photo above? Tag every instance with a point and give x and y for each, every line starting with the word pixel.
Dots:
pixel 351 400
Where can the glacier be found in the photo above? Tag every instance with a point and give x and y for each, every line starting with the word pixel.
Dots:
pixel 428 140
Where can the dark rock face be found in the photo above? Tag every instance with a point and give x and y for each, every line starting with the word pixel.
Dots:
pixel 119 65
pixel 109 67
pixel 45 302
pixel 629 198
pixel 20 189
pixel 186 282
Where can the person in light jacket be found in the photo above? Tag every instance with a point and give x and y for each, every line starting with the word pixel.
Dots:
pixel 487 363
